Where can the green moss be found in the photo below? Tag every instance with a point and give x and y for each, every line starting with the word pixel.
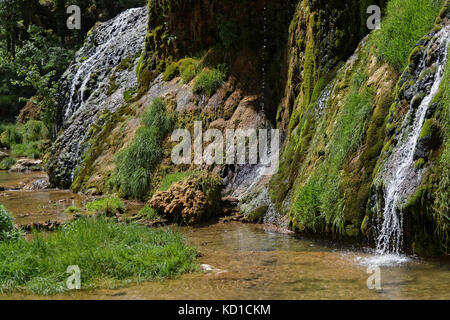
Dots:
pixel 171 72
pixel 258 214
pixel 429 128
pixel 419 163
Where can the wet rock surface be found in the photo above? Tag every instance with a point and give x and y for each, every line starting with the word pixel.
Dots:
pixel 102 72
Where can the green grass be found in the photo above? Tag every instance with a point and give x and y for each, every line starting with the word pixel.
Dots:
pixel 136 162
pixel 405 23
pixel 208 81
pixel 170 179
pixel 108 255
pixel 72 209
pixel 107 206
pixel 149 214
pixel 318 202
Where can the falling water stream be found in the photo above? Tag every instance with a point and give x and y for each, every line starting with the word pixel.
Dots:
pixel 399 177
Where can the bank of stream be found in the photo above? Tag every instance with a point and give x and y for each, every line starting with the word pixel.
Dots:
pixel 247 261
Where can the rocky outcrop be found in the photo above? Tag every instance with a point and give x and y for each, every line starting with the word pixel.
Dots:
pixel 191 201
pixel 24 165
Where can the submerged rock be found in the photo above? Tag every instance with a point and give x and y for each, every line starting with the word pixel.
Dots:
pixel 39 184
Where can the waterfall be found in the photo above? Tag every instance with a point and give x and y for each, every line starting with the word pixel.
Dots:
pixel 88 78
pixel 101 75
pixel 398 176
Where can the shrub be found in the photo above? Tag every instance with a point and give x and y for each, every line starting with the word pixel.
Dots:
pixel 405 23
pixel 7 163
pixel 208 81
pixel 107 206
pixel 136 162
pixel 10 136
pixel 30 150
pixel 8 232
pixel 33 131
pixel 108 254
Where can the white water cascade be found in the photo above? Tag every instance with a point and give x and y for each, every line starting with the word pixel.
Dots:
pixel 399 176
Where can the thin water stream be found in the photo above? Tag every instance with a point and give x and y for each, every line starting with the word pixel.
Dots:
pixel 258 262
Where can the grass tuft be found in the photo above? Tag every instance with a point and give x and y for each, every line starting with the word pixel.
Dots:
pixel 108 254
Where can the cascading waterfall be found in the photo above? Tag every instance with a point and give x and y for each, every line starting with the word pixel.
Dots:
pixel 109 43
pixel 399 176
pixel 102 74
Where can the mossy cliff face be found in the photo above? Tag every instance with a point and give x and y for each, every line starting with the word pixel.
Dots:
pixel 310 68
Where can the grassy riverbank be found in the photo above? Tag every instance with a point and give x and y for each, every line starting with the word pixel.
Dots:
pixel 108 254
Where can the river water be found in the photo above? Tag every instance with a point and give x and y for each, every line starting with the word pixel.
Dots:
pixel 258 262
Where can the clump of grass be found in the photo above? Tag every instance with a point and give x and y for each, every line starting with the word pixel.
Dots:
pixel 107 206
pixel 170 179
pixel 136 162
pixel 188 69
pixel 149 213
pixel 405 23
pixel 209 80
pixel 7 163
pixel 72 210
pixel 108 254
pixel 8 231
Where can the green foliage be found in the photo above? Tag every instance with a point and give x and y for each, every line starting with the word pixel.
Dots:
pixel 28 140
pixel 441 205
pixel 318 204
pixel 405 23
pixel 209 80
pixel 188 69
pixel 170 179
pixel 72 210
pixel 227 32
pixel 10 136
pixel 171 71
pixel 7 163
pixel 137 161
pixel 107 253
pixel 149 214
pixel 7 230
pixel 106 206
pixel 33 131
pixel 29 150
